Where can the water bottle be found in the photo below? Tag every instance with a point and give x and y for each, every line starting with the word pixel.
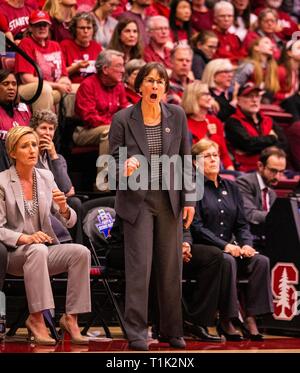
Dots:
pixel 2 314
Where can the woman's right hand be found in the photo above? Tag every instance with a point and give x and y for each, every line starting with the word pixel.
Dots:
pixel 131 164
pixel 37 237
pixel 233 250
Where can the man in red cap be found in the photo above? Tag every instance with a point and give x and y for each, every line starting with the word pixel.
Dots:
pixel 48 55
pixel 247 130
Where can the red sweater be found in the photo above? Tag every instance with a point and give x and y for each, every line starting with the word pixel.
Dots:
pixel 200 129
pixel 96 104
pixel 229 47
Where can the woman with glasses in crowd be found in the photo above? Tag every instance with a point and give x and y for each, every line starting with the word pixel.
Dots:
pixel 149 130
pixel 220 221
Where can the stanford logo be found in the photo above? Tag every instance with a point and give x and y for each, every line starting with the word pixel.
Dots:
pixel 284 275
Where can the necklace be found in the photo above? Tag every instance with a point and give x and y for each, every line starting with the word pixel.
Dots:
pixel 31 208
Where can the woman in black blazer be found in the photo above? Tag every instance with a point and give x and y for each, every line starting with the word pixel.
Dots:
pixel 151 214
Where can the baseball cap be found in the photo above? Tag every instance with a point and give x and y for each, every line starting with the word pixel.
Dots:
pixel 247 88
pixel 39 16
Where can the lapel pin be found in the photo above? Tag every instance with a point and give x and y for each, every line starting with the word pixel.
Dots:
pixel 167 130
pixel 224 192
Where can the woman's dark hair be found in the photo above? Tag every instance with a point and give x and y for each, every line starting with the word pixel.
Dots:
pixel 202 37
pixel 4 74
pixel 172 18
pixel 78 17
pixel 145 71
pixel 116 43
pixel 245 16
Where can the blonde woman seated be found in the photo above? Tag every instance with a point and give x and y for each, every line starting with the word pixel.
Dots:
pixel 197 102
pixel 28 196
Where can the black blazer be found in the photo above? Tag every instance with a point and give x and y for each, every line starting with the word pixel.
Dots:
pixel 127 130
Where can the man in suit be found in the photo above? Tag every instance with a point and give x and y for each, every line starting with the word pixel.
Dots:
pixel 257 192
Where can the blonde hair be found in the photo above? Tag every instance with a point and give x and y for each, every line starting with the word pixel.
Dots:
pixel 203 145
pixel 13 137
pixel 212 68
pixel 269 77
pixel 190 99
pixel 53 7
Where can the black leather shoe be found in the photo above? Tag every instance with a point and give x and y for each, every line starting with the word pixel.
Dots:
pixel 256 337
pixel 138 345
pixel 229 337
pixel 201 333
pixel 177 342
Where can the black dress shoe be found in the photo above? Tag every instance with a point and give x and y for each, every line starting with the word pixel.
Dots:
pixel 201 333
pixel 256 337
pixel 177 342
pixel 229 337
pixel 139 345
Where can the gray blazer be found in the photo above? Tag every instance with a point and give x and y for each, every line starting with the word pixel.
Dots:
pixel 250 190
pixel 127 130
pixel 12 212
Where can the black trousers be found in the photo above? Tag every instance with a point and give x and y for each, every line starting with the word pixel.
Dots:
pixel 206 268
pixel 154 239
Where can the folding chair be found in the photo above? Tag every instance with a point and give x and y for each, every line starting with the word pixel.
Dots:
pixel 100 269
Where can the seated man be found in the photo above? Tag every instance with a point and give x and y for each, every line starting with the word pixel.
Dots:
pixel 99 97
pixel 257 193
pixel 248 131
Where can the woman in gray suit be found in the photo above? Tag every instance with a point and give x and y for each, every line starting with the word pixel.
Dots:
pixel 27 197
pixel 152 214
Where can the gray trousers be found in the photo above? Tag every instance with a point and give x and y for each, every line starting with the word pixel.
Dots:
pixel 3 264
pixel 258 297
pixel 155 236
pixel 37 261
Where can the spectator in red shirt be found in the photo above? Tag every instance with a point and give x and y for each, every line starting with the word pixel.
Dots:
pixel 47 54
pixel 181 58
pixel 248 131
pixel 197 102
pixel 157 50
pixel 98 98
pixel 286 26
pixel 131 70
pixel 202 17
pixel 81 52
pixel 244 20
pixel 267 24
pixel 17 14
pixel 229 44
pixel 180 21
pixel 126 38
pixel 61 13
pixel 13 113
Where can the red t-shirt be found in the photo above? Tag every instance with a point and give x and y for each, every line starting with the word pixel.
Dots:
pixel 202 20
pixel 21 117
pixel 17 18
pixel 49 58
pixel 3 23
pixel 200 129
pixel 73 53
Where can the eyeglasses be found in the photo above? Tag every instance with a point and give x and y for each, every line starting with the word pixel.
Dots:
pixel 224 72
pixel 212 155
pixel 84 27
pixel 161 29
pixel 274 171
pixel 151 81
pixel 119 66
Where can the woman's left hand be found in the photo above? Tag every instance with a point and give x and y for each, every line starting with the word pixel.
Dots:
pixel 61 200
pixel 188 215
pixel 248 251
